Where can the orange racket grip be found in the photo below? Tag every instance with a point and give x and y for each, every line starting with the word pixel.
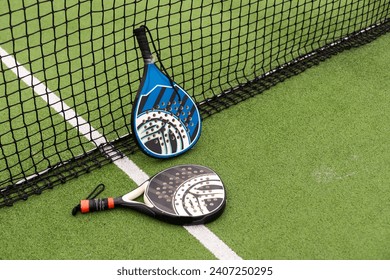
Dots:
pixel 92 205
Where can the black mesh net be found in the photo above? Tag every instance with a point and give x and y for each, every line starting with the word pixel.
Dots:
pixel 70 69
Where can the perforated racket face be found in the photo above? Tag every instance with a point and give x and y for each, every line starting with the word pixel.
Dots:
pixel 166 122
pixel 187 191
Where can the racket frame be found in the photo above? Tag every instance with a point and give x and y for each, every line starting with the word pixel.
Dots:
pixel 151 69
pixel 148 208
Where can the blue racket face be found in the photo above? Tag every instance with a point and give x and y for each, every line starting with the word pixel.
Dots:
pixel 165 121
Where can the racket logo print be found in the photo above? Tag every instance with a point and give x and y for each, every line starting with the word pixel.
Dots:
pixel 166 125
pixel 199 196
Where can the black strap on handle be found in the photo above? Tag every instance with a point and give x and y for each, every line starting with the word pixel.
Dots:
pixel 98 190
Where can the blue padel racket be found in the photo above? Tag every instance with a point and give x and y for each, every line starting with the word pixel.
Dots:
pixel 165 119
pixel 183 195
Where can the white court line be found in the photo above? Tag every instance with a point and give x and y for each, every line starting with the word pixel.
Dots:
pixel 206 237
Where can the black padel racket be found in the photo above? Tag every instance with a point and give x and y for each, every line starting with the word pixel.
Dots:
pixel 183 195
pixel 165 119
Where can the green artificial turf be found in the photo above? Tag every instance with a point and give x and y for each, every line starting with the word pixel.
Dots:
pixel 306 163
pixel 43 227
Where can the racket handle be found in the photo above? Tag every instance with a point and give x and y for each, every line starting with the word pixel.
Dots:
pixel 140 34
pixel 92 205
